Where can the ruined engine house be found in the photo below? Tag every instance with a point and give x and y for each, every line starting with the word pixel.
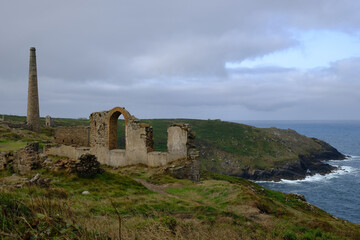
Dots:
pixel 100 139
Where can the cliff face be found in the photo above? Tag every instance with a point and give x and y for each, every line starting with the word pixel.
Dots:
pixel 280 154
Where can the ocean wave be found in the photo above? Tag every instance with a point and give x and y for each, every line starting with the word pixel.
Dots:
pixel 351 158
pixel 321 178
pixel 342 170
pixel 348 159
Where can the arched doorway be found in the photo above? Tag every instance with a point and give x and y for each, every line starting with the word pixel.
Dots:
pixel 113 125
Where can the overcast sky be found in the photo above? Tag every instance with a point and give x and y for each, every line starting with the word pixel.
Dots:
pixel 233 60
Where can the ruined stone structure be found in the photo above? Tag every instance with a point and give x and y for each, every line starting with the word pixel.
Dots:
pixel 73 136
pixel 101 140
pixel 49 122
pixel 23 160
pixel 33 115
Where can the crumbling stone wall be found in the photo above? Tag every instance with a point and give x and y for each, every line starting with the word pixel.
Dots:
pixel 49 122
pixel 76 136
pixel 98 126
pixel 149 137
pixel 185 169
pixel 103 130
pixel 26 159
pixel 3 160
pixel 138 142
pixel 180 141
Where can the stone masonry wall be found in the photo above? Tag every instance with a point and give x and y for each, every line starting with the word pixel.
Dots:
pixel 139 143
pixel 180 141
pixel 76 136
pixel 27 158
pixel 98 129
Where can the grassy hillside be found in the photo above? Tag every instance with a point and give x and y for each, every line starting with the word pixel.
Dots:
pixel 147 204
pixel 230 148
pixel 151 205
pixel 225 147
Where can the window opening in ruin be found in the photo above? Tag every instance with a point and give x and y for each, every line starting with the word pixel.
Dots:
pixel 117 131
pixel 121 133
pixel 160 135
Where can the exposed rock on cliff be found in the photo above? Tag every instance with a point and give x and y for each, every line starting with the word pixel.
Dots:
pixel 279 154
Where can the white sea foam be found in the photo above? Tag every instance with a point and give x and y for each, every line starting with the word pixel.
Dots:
pixel 350 158
pixel 342 170
pixel 321 178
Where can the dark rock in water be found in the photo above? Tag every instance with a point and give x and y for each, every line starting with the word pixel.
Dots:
pixel 88 166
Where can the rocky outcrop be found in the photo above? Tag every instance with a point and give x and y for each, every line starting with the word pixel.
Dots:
pixel 306 165
pixel 279 154
pixel 184 169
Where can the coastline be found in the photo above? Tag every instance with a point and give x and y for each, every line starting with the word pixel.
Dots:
pixel 306 165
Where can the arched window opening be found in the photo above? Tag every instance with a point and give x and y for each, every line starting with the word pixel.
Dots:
pixel 117 128
pixel 120 139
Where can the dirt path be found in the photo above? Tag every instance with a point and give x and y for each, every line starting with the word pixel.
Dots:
pixel 161 190
pixel 156 188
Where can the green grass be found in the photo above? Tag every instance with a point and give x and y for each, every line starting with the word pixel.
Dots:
pixel 9 146
pixel 13 139
pixel 103 185
pixel 220 207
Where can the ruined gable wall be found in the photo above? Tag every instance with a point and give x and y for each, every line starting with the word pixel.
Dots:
pixel 179 141
pixel 137 141
pixel 77 136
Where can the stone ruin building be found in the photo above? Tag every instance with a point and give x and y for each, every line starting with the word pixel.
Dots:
pixel 49 122
pixel 100 139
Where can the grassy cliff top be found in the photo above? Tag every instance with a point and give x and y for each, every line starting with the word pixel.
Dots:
pixel 155 206
pixel 152 205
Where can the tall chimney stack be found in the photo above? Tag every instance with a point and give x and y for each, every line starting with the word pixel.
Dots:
pixel 33 115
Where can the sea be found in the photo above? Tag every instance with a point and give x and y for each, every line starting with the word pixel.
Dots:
pixel 337 193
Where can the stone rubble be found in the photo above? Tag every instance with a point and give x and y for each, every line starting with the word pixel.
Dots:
pixel 88 166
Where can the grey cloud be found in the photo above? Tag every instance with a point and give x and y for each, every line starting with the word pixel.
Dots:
pixel 93 55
